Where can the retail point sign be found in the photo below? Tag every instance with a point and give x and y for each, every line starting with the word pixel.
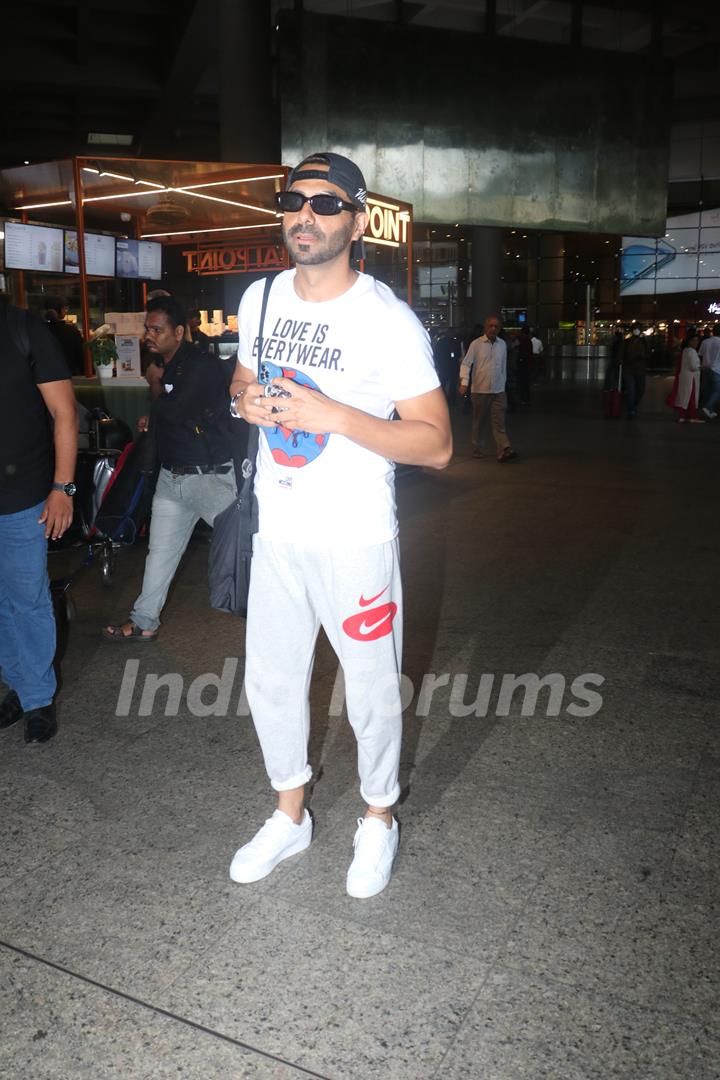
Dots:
pixel 388 223
pixel 714 308
pixel 235 258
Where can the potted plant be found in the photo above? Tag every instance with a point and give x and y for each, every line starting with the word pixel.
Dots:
pixel 103 352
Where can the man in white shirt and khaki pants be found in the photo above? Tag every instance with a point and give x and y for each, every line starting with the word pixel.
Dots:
pixel 485 366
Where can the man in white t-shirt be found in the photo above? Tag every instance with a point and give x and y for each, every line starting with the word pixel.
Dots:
pixel 348 354
pixel 538 349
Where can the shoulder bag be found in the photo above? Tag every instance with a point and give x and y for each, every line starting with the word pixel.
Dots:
pixel 230 557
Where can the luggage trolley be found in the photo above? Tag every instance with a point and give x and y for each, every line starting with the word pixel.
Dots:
pixel 102 441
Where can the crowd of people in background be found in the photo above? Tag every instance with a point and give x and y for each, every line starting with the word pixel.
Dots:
pixel 524 360
pixel 695 395
pixel 492 371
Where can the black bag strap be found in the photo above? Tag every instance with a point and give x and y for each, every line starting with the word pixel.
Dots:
pixel 248 465
pixel 263 310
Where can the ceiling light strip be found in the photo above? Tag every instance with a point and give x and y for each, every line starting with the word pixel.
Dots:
pixel 241 180
pixel 117 176
pixel 193 232
pixel 120 195
pixel 228 202
pixel 44 205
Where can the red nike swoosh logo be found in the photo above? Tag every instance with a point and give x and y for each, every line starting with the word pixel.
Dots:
pixel 364 603
pixel 358 627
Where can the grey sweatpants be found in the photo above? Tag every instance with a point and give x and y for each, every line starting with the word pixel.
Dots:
pixel 355 594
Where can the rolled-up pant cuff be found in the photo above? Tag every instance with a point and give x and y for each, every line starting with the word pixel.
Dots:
pixel 292 782
pixel 381 800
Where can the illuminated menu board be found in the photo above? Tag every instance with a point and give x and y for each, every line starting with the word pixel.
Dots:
pixel 138 259
pixel 99 254
pixel 33 247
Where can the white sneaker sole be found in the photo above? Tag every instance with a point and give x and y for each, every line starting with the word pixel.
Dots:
pixel 246 875
pixel 366 892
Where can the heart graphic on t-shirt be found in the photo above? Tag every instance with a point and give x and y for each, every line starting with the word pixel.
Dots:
pixel 293 449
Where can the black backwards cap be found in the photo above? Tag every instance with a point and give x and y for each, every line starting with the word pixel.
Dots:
pixel 341 171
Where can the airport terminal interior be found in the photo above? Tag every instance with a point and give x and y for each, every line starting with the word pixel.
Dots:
pixel 552 910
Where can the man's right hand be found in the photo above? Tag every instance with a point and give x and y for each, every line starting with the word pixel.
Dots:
pixel 255 408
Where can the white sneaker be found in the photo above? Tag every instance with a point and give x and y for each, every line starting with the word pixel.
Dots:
pixel 278 839
pixel 710 415
pixel 375 849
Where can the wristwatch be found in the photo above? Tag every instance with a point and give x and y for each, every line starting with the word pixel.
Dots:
pixel 67 489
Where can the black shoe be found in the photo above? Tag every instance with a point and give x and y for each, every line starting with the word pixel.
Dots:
pixel 10 710
pixel 40 724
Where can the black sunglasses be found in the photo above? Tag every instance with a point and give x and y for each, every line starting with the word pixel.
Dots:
pixel 291 202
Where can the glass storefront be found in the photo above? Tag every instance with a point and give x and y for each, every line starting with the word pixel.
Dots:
pixel 551 281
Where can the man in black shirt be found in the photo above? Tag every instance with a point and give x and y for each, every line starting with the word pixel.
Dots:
pixel 35 504
pixel 190 419
pixel 67 335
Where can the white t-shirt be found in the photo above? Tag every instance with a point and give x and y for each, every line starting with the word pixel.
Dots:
pixel 366 349
pixel 710 353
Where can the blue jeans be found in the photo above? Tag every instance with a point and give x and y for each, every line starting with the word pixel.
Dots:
pixel 27 622
pixel 178 505
pixel 713 391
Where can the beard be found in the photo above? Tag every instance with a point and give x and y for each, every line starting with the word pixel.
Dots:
pixel 325 250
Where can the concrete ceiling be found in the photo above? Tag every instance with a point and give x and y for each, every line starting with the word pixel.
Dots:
pixel 148 68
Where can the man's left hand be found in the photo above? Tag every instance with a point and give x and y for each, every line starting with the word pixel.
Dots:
pixel 57 515
pixel 306 410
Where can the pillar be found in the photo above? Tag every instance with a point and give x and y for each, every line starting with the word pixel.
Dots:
pixel 249 112
pixel 487 252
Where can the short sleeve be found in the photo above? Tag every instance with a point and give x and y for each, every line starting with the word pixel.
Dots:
pixel 412 369
pixel 248 316
pixel 47 357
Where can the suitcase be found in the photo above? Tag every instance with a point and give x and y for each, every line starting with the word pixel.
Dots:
pixel 612 399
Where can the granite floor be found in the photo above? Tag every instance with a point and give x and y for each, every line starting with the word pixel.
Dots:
pixel 553 912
